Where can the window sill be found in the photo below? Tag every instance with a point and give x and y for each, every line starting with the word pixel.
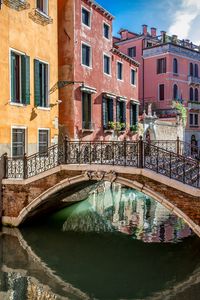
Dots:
pixel 107 74
pixel 86 26
pixel 43 108
pixel 110 131
pixel 87 130
pixel 40 17
pixel 17 104
pixel 85 66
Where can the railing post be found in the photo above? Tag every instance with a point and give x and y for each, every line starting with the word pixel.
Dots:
pixel 178 145
pixel 5 165
pixel 25 166
pixel 66 150
pixel 140 153
pixel 125 152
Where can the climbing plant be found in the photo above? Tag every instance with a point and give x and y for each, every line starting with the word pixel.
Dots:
pixel 182 110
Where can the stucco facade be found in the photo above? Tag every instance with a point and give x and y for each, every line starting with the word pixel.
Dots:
pixel 28 32
pixel 90 77
pixel 168 71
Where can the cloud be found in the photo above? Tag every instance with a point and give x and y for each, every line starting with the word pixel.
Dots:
pixel 184 18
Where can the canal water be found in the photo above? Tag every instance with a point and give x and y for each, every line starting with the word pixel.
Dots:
pixel 117 244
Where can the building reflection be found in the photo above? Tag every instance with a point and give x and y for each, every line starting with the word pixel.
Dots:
pixel 132 213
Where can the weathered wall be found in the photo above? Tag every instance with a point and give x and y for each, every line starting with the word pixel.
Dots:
pixel 21 33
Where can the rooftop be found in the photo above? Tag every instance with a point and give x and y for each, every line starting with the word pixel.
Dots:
pixel 100 8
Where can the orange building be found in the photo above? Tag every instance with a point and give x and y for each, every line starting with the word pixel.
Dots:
pixel 28 70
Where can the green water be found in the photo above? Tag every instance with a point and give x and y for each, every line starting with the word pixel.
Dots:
pixel 117 244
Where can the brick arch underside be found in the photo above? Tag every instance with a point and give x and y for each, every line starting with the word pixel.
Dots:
pixel 68 188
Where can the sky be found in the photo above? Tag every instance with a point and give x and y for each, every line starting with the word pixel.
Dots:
pixel 180 17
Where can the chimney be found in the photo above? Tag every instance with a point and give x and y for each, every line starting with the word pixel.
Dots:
pixel 153 32
pixel 163 34
pixel 124 34
pixel 144 29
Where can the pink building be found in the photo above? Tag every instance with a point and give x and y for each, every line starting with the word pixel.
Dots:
pixel 101 100
pixel 169 70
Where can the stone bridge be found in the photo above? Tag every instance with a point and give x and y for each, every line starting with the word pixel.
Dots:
pixel 43 183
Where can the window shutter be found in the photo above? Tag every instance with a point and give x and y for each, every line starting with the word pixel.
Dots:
pixel 165 65
pixel 13 79
pixel 37 82
pixel 118 112
pixel 124 112
pixel 158 66
pixel 89 108
pixel 25 67
pixel 131 114
pixel 105 113
pixel 111 110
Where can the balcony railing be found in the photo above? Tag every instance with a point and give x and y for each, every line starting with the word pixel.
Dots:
pixel 193 105
pixel 17 4
pixel 194 80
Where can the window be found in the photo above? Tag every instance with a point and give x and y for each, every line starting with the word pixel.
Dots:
pixel 161 65
pixel 191 94
pixel 132 51
pixel 175 66
pixel 175 92
pixel 86 55
pixel 133 77
pixel 194 120
pixel 133 114
pixel 191 71
pixel 106 64
pixel 108 116
pixel 121 113
pixel 42 5
pixel 43 141
pixel 196 95
pixel 86 111
pixel 161 92
pixel 20 78
pixel 41 75
pixel 196 71
pixel 18 142
pixel 85 17
pixel 106 30
pixel 119 70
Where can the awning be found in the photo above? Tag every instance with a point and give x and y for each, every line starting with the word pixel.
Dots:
pixel 88 89
pixel 135 101
pixel 109 95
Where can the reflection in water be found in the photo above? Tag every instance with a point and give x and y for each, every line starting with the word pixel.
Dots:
pixel 117 244
pixel 127 211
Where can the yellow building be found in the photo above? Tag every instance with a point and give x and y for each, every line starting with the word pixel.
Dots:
pixel 28 70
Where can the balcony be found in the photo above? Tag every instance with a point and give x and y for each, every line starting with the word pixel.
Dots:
pixel 40 17
pixel 17 4
pixel 194 105
pixel 193 80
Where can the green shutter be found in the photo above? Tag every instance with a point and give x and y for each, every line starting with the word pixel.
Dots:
pixel 105 113
pixel 118 112
pixel 37 95
pixel 13 79
pixel 124 113
pixel 25 76
pixel 131 114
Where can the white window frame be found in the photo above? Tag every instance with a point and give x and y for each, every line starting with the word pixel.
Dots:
pixel 110 74
pixel 90 22
pixel 18 53
pixel 132 69
pixel 118 61
pixel 49 139
pixel 109 35
pixel 26 137
pixel 48 84
pixel 43 12
pixel 86 44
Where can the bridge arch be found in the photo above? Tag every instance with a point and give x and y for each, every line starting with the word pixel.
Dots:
pixel 87 179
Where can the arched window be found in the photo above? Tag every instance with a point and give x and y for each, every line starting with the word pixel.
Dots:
pixel 175 92
pixel 196 70
pixel 196 95
pixel 175 66
pixel 191 94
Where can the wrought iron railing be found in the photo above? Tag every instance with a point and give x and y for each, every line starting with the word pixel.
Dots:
pixel 138 154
